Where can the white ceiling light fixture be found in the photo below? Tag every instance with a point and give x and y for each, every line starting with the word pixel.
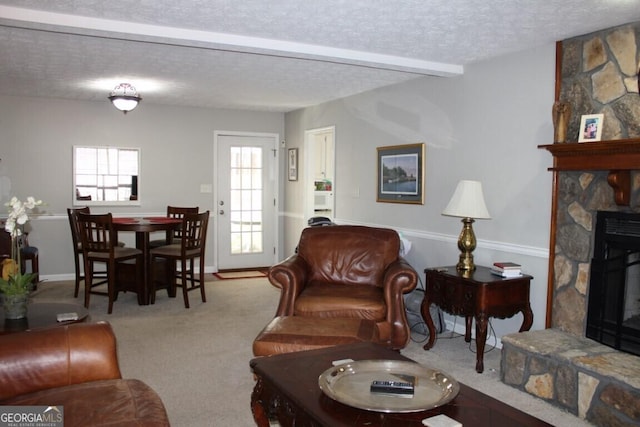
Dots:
pixel 125 97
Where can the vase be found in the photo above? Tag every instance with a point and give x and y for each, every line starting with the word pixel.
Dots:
pixel 15 306
pixel 561 117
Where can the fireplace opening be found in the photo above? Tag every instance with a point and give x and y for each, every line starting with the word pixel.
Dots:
pixel 613 312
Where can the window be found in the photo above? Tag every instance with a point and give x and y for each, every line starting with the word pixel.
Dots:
pixel 245 206
pixel 106 175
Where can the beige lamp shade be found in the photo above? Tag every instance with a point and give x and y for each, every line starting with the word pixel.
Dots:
pixel 467 201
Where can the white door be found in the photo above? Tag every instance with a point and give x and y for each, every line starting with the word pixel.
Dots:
pixel 246 183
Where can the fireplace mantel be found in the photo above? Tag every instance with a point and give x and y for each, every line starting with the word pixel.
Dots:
pixel 618 157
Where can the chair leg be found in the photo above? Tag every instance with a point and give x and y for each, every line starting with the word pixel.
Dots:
pixel 152 291
pixel 185 289
pixel 139 280
pixel 111 286
pixel 88 278
pixel 202 292
pixel 77 288
pixel 35 267
pixel 32 257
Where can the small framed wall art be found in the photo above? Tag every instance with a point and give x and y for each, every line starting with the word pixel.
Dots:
pixel 401 174
pixel 591 128
pixel 293 164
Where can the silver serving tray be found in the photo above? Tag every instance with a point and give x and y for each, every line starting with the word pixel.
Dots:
pixel 350 383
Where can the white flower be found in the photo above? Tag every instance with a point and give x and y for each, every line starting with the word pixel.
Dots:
pixel 18 214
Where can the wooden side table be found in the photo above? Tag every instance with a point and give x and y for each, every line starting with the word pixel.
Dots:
pixel 478 295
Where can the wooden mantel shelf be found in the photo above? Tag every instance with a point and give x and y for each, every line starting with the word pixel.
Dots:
pixel 618 157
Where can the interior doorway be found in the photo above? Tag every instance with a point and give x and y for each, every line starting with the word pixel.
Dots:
pixel 319 173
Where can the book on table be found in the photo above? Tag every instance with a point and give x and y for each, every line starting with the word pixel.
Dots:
pixel 506 269
pixel 506 273
pixel 506 265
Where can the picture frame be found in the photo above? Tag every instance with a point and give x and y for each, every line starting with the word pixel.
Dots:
pixel 591 128
pixel 400 174
pixel 292 164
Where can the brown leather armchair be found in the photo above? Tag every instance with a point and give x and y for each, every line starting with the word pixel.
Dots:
pixel 75 367
pixel 350 272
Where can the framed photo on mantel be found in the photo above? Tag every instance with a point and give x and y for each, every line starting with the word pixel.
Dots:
pixel 591 128
pixel 401 174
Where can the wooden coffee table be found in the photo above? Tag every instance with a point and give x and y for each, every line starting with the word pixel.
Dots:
pixel 42 315
pixel 287 390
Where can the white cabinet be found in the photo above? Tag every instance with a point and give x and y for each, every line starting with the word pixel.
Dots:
pixel 323 155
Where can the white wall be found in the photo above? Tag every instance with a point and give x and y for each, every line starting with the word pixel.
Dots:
pixel 484 125
pixel 37 135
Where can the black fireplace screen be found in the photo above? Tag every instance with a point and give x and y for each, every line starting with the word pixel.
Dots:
pixel 613 313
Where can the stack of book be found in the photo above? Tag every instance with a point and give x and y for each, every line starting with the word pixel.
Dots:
pixel 506 269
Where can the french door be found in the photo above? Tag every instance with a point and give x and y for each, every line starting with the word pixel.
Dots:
pixel 246 208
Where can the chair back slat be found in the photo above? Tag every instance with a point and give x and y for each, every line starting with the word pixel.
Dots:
pixel 97 232
pixel 75 226
pixel 194 231
pixel 178 212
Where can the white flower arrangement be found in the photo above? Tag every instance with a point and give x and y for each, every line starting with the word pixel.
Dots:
pixel 12 281
pixel 18 214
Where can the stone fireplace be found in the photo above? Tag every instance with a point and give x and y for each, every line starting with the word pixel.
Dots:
pixel 581 195
pixel 561 365
pixel 596 73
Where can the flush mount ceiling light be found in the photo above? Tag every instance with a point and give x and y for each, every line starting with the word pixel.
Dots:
pixel 125 97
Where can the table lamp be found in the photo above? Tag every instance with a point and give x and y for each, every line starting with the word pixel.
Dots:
pixel 467 203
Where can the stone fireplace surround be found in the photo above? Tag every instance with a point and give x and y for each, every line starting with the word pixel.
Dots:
pixel 595 74
pixel 559 364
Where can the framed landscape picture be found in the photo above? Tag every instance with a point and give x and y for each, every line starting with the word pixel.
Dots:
pixel 591 128
pixel 401 173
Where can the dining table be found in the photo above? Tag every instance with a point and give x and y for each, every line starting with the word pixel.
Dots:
pixel 143 227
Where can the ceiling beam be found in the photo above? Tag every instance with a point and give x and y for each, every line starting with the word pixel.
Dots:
pixel 108 28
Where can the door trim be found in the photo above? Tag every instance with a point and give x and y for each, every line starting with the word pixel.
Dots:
pixel 276 137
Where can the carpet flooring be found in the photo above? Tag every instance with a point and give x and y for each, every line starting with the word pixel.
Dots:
pixel 197 359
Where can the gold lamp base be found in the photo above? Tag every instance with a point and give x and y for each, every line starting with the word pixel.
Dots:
pixel 466 244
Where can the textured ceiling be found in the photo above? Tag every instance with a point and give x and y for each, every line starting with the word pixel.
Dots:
pixel 276 55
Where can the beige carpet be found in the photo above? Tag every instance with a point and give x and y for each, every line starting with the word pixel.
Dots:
pixel 198 359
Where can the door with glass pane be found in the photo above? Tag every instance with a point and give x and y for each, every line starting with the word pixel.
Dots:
pixel 245 205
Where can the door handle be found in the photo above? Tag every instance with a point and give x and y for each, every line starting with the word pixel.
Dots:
pixel 221 212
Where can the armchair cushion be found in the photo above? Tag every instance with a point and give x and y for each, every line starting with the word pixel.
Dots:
pixel 333 300
pixel 348 272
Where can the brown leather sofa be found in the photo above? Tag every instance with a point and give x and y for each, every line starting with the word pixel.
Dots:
pixel 75 367
pixel 348 271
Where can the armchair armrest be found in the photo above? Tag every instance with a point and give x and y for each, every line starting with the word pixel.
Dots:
pixel 399 279
pixel 58 356
pixel 290 276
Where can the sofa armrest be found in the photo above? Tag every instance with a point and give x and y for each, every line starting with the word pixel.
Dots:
pixel 399 279
pixel 58 356
pixel 290 276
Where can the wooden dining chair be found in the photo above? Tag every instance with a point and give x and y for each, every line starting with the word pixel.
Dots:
pixel 100 245
pixel 77 244
pixel 176 212
pixel 77 250
pixel 190 247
